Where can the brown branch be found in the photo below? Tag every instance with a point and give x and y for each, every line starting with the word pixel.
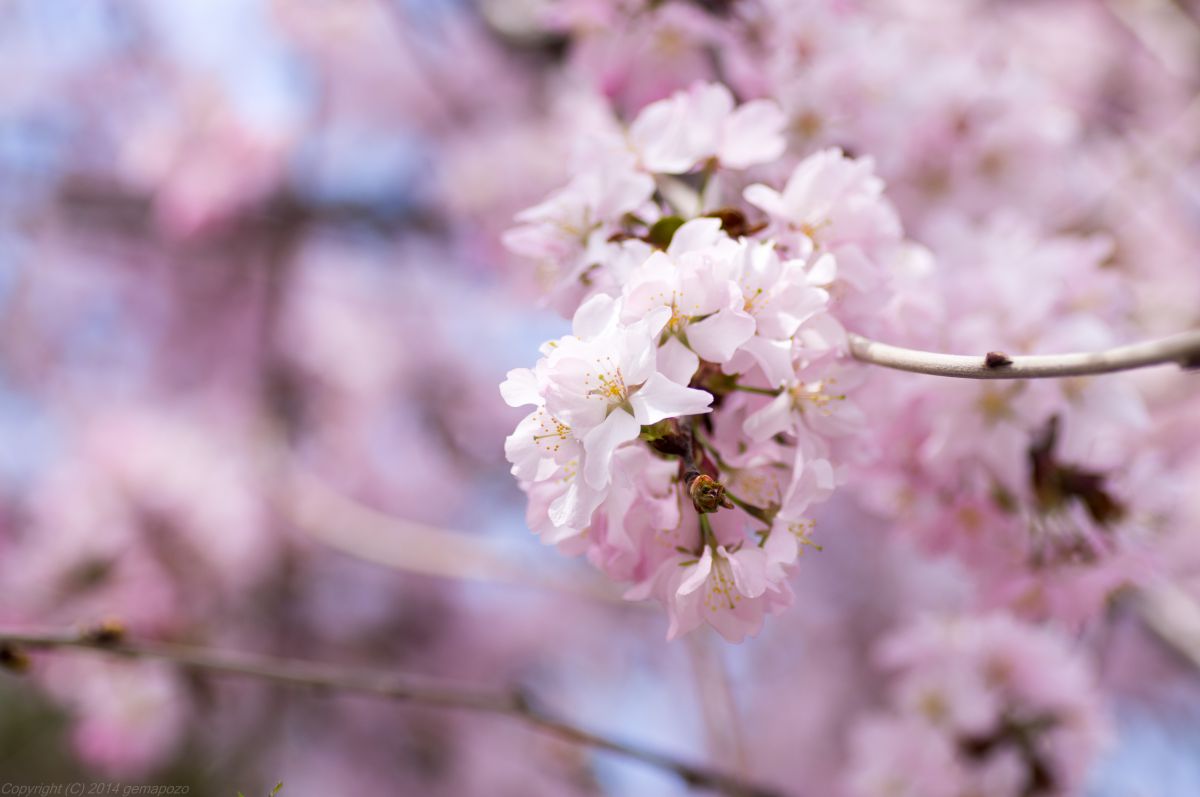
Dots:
pixel 440 693
pixel 1182 350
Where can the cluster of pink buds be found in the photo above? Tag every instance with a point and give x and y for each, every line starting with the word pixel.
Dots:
pixel 681 433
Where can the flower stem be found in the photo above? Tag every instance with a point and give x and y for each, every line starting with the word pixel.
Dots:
pixel 750 509
pixel 707 445
pixel 762 391
pixel 706 532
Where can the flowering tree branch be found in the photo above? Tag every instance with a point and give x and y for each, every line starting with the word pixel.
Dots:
pixel 408 688
pixel 1182 350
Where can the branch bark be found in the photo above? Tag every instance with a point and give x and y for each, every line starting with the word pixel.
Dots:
pixel 1182 350
pixel 513 703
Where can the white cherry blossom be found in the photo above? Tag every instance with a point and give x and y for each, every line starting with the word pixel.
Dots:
pixel 672 136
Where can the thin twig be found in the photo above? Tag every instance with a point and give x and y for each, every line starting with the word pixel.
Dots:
pixel 353 528
pixel 441 693
pixel 722 720
pixel 1164 29
pixel 1173 615
pixel 1182 350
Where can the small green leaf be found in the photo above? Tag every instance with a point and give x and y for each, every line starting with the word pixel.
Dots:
pixel 277 789
pixel 663 231
pixel 656 431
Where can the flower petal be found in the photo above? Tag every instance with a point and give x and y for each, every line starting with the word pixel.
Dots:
pixel 766 199
pixel 574 508
pixel 772 419
pixel 753 134
pixel 695 236
pixel 520 388
pixel 697 574
pixel 773 356
pixel 660 398
pixel 717 337
pixel 749 569
pixel 600 443
pixel 677 362
pixel 594 316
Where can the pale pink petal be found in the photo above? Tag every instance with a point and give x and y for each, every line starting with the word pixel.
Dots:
pixel 766 199
pixel 662 136
pixel 522 450
pixel 594 316
pixel 677 362
pixel 697 574
pixel 600 443
pixel 774 418
pixel 782 548
pixel 695 236
pixel 635 351
pixel 717 337
pixel 624 193
pixel 773 356
pixel 753 134
pixel 661 398
pixel 749 569
pixel 573 509
pixel 823 271
pixel 520 388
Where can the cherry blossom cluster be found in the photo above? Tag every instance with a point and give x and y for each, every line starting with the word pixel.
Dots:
pixel 704 368
pixel 980 705
pixel 1005 163
pixel 257 297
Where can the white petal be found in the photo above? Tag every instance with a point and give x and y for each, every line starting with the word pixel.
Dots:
pixel 749 569
pixel 522 450
pixel 661 398
pixel 822 333
pixel 594 316
pixel 772 419
pixel 623 193
pixel 698 574
pixel 753 134
pixel 520 388
pixel 573 509
pixel 782 548
pixel 677 362
pixel 773 356
pixel 717 337
pixel 823 271
pixel 661 135
pixel 695 235
pixel 600 443
pixel 635 351
pixel 766 199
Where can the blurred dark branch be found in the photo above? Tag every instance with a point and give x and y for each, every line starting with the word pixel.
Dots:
pixel 95 203
pixel 1182 350
pixel 440 693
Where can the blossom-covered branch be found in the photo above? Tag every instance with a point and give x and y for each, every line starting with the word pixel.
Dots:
pixel 406 688
pixel 1182 350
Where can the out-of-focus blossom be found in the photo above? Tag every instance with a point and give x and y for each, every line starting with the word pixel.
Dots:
pixel 984 704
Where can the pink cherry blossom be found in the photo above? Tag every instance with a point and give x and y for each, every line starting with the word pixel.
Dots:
pixel 1012 708
pixel 672 136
